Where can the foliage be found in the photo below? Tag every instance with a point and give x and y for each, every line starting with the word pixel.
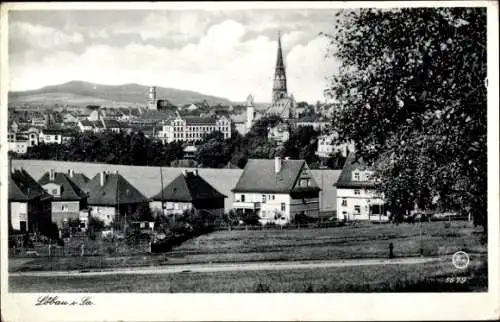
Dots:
pixel 95 224
pixel 412 96
pixel 302 144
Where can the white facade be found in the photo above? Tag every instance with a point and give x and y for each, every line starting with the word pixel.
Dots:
pixel 105 213
pixel 326 147
pixel 19 147
pixel 19 213
pixel 275 207
pixel 280 133
pixel 181 129
pixel 359 204
pixel 50 137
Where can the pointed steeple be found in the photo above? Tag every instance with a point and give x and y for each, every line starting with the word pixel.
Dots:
pixel 279 86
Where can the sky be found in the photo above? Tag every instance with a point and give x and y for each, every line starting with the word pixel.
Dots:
pixel 223 53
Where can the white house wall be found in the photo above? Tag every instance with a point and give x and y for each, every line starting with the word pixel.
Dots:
pixel 104 213
pixel 18 212
pixel 364 199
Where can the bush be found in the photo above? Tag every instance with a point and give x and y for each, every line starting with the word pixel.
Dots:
pixel 95 224
pixel 262 288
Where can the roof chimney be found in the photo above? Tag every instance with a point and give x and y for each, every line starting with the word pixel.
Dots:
pixel 103 177
pixel 184 172
pixel 277 164
pixel 195 172
pixel 71 172
pixel 51 174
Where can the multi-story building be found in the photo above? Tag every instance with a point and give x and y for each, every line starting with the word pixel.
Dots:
pixel 357 198
pixel 327 147
pixel 29 205
pixel 19 141
pixel 279 133
pixel 67 197
pixel 56 136
pixel 189 191
pixel 191 129
pixel 277 190
pixel 111 197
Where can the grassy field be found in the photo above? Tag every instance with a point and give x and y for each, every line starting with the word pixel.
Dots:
pixel 363 241
pixel 428 277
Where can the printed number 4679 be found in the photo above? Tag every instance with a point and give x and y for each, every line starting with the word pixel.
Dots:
pixel 456 279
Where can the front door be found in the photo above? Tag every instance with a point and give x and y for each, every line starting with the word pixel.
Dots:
pixel 22 225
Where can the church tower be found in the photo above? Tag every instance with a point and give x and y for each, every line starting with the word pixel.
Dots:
pixel 279 85
pixel 152 101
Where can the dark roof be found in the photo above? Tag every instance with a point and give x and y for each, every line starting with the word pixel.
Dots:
pixel 79 179
pixel 110 123
pixel 193 120
pixel 116 190
pixel 69 189
pixel 259 176
pixel 189 187
pixel 22 187
pixel 86 123
pixel 156 115
pixel 184 163
pixel 345 179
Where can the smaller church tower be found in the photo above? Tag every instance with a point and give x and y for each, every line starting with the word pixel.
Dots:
pixel 152 101
pixel 250 112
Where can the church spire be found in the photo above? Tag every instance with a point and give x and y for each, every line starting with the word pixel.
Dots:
pixel 279 85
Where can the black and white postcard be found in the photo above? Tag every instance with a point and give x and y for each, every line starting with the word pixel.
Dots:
pixel 249 161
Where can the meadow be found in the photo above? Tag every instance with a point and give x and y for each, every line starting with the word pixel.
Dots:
pixel 355 241
pixel 438 276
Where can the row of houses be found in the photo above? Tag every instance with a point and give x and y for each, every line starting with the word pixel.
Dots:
pixel 276 190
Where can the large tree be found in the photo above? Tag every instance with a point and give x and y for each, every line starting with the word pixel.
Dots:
pixel 412 96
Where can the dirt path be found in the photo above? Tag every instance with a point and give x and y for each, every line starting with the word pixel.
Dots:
pixel 229 267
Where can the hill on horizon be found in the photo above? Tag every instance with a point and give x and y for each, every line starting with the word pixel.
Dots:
pixel 83 93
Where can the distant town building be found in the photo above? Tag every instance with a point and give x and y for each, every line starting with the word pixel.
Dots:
pixel 189 191
pixel 327 147
pixel 56 136
pixel 192 128
pixel 277 190
pixel 20 140
pixel 29 205
pixel 357 198
pixel 279 133
pixel 315 122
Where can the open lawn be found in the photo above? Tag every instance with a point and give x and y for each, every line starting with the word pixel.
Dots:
pixel 437 276
pixel 363 241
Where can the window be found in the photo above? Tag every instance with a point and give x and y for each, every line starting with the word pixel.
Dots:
pixel 263 198
pixel 54 192
pixel 242 198
pixel 63 207
pixel 357 192
pixel 273 197
pixel 357 210
pixel 283 206
pixel 344 202
pixel 356 176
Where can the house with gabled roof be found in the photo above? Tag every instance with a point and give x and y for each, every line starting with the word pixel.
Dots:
pixel 29 205
pixel 67 197
pixel 277 190
pixel 357 198
pixel 189 191
pixel 79 179
pixel 111 197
